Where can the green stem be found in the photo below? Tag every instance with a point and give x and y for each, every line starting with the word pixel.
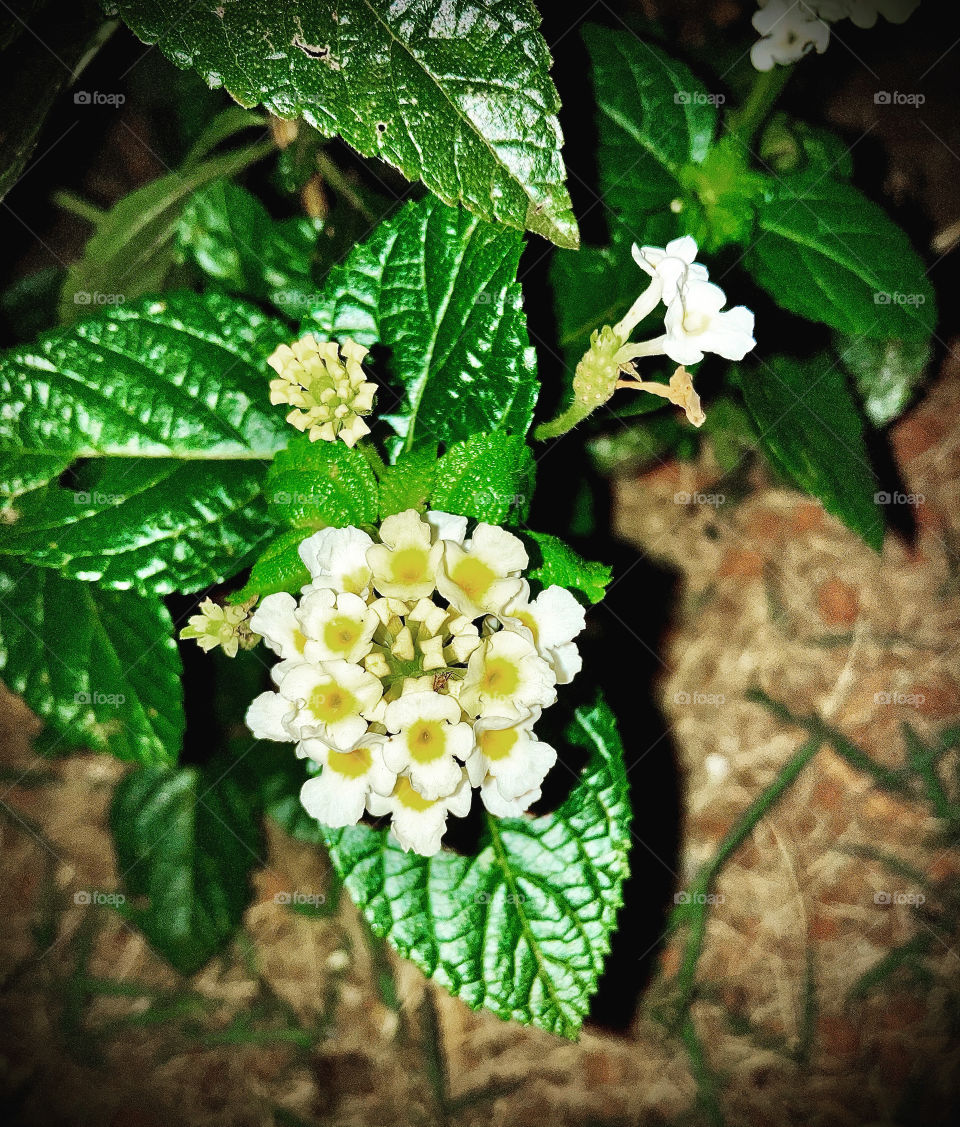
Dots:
pixel 336 178
pixel 702 1075
pixel 76 206
pixel 434 1062
pixel 752 115
pixel 376 463
pixel 565 421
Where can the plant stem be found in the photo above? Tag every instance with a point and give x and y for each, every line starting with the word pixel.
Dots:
pixel 752 115
pixel 565 421
pixel 373 458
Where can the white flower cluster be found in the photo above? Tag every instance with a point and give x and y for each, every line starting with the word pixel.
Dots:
pixel 413 669
pixel 792 28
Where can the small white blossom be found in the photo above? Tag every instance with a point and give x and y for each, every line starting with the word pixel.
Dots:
pixel 337 559
pixel 673 264
pixel 275 619
pixel 338 795
pixel 419 823
pixel 429 737
pixel 507 677
pixel 335 701
pixel 509 753
pixel 697 323
pixel 480 576
pixel 225 626
pixel 552 620
pixel 269 715
pixel 790 29
pixel 336 626
pixel 404 564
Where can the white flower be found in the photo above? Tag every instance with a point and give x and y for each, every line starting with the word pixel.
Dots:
pixel 338 795
pixel 276 620
pixel 337 558
pixel 508 752
pixel 552 620
pixel 269 715
pixel 417 822
pixel 864 13
pixel 336 626
pixel 404 564
pixel 430 738
pixel 696 323
pixel 493 800
pixel 480 576
pixel 790 28
pixel 507 677
pixel 225 626
pixel 335 700
pixel 447 526
pixel 673 264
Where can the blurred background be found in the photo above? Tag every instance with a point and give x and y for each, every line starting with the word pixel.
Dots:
pixel 775 677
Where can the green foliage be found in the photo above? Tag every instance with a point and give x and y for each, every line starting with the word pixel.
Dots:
pixel 101 668
pixel 886 372
pixel 560 564
pixel 463 103
pixel 186 841
pixel 489 477
pixel 829 254
pixel 279 568
pixel 408 483
pixel 810 428
pixel 437 286
pixel 319 484
pixel 523 926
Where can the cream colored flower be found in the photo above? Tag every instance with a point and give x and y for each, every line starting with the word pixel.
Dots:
pixel 338 795
pixel 507 677
pixel 481 576
pixel 552 620
pixel 404 564
pixel 680 391
pixel 326 387
pixel 508 752
pixel 335 701
pixel 337 558
pixel 419 823
pixel 275 619
pixel 224 626
pixel 496 804
pixel 429 737
pixel 337 626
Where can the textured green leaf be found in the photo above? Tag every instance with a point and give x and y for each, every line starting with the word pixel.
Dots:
pixel 810 428
pixel 278 568
pixel 181 376
pixel 561 565
pixel 100 667
pixel 186 841
pixel 20 473
pixel 655 117
pixel 226 232
pixel 787 145
pixel 489 477
pixel 408 483
pixel 158 524
pixel 886 373
pixel 438 287
pixel 829 254
pixel 322 484
pixel 452 93
pixel 523 927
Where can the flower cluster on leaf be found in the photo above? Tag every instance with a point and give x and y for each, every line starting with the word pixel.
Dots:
pixel 413 668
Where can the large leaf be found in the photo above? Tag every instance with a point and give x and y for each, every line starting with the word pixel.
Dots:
pixel 178 376
pixel 101 667
pixel 523 926
pixel 810 428
pixel 451 92
pixel 438 287
pixel 489 477
pixel 886 372
pixel 186 842
pixel 559 564
pixel 159 524
pixel 318 484
pixel 828 253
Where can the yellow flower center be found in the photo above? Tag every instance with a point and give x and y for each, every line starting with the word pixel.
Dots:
pixel 404 793
pixel 695 322
pixel 341 633
pixel 356 582
pixel 497 743
pixel 501 677
pixel 331 702
pixel 473 577
pixel 426 740
pixel 299 641
pixel 409 565
pixel 529 621
pixel 353 764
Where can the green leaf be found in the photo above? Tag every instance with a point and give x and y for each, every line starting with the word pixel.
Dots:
pixel 523 927
pixel 655 117
pixel 809 427
pixel 489 477
pixel 829 254
pixel 438 287
pixel 787 145
pixel 408 483
pixel 100 667
pixel 559 564
pixel 226 232
pixel 449 93
pixel 131 250
pixel 178 376
pixel 20 474
pixel 186 842
pixel 322 484
pixel 886 373
pixel 158 524
pixel 279 568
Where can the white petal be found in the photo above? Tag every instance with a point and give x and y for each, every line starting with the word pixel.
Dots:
pixel 265 717
pixel 447 526
pixel 436 779
pixel 333 799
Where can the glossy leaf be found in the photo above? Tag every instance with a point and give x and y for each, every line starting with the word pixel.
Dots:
pixel 522 927
pixel 437 286
pixel 408 483
pixel 827 253
pixel 886 373
pixel 319 484
pixel 186 841
pixel 809 426
pixel 278 568
pixel 559 564
pixel 454 94
pixel 489 477
pixel 100 667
